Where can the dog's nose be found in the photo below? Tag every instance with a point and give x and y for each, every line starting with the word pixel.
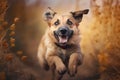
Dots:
pixel 63 31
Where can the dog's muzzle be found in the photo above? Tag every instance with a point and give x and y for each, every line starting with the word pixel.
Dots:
pixel 63 34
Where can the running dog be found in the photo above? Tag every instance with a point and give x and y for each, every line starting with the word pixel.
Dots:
pixel 59 48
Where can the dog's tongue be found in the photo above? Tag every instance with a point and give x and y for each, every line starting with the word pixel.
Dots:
pixel 63 40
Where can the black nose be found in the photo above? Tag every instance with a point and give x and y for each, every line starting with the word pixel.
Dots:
pixel 63 31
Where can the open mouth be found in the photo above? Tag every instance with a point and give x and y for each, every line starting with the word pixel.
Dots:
pixel 63 39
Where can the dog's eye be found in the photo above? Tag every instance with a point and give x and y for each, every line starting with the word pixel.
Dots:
pixel 57 23
pixel 69 22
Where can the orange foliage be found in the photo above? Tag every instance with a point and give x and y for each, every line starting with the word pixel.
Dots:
pixel 9 57
pixel 19 53
pixel 12 33
pixel 24 58
pixel 107 25
pixel 12 27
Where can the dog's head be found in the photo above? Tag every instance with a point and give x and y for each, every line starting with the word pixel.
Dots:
pixel 64 27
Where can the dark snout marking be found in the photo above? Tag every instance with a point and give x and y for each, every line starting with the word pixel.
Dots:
pixel 47 14
pixel 63 30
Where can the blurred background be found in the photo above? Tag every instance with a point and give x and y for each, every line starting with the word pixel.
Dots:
pixel 22 26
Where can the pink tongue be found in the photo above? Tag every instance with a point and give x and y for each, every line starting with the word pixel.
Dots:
pixel 63 40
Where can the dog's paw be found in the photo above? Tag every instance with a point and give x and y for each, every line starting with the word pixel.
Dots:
pixel 61 69
pixel 72 70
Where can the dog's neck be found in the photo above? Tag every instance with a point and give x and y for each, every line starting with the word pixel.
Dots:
pixel 64 47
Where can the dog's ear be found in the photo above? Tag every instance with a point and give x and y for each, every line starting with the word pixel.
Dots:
pixel 49 14
pixel 77 15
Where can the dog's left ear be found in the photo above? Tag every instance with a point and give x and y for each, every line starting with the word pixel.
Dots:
pixel 77 15
pixel 49 14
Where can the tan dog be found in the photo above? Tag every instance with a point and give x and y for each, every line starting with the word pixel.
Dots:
pixel 59 48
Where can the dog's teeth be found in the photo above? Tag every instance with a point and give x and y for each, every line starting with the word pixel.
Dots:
pixel 63 40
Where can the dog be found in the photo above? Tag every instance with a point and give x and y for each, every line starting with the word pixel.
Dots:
pixel 59 49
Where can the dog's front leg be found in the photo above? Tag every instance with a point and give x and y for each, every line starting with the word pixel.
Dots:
pixel 74 61
pixel 54 60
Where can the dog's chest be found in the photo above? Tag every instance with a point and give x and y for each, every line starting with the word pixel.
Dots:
pixel 63 54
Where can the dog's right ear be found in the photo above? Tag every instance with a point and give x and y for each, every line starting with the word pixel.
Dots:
pixel 48 15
